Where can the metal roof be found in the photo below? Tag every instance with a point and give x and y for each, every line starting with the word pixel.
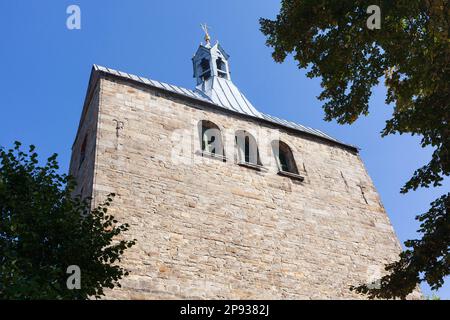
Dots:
pixel 226 96
pixel 224 93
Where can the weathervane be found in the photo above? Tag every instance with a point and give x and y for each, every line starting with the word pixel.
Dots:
pixel 205 29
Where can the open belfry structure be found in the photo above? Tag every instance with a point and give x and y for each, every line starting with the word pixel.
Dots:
pixel 226 202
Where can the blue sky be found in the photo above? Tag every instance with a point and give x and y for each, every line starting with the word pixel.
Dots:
pixel 45 70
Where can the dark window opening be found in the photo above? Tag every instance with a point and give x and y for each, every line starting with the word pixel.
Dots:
pixel 206 75
pixel 204 64
pixel 211 138
pixel 83 151
pixel 284 157
pixel 283 162
pixel 205 69
pixel 220 64
pixel 247 148
pixel 221 68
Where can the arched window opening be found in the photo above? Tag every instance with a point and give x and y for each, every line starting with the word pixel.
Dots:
pixel 205 69
pixel 83 151
pixel 221 68
pixel 247 148
pixel 284 157
pixel 211 138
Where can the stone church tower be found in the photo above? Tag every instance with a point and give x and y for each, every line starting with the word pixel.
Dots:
pixel 224 200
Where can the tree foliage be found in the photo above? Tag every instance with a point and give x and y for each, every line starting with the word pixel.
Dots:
pixel 426 259
pixel 411 52
pixel 44 230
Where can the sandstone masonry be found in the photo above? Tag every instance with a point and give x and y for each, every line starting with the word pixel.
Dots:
pixel 206 228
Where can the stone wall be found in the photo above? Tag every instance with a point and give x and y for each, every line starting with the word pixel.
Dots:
pixel 87 131
pixel 212 229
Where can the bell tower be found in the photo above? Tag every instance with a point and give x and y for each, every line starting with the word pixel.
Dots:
pixel 213 79
pixel 210 61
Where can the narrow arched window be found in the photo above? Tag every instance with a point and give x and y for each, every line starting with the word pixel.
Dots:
pixel 247 148
pixel 210 138
pixel 83 151
pixel 220 64
pixel 205 69
pixel 284 157
pixel 221 68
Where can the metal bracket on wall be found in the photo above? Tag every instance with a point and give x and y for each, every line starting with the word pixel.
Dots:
pixel 119 126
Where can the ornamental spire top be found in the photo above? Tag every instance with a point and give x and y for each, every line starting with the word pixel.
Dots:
pixel 205 30
pixel 212 72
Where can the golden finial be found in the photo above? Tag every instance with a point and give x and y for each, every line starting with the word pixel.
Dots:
pixel 205 29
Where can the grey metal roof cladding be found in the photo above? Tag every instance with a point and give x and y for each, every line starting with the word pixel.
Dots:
pixel 240 105
pixel 212 73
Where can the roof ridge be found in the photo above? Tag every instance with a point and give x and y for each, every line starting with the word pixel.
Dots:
pixel 199 95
